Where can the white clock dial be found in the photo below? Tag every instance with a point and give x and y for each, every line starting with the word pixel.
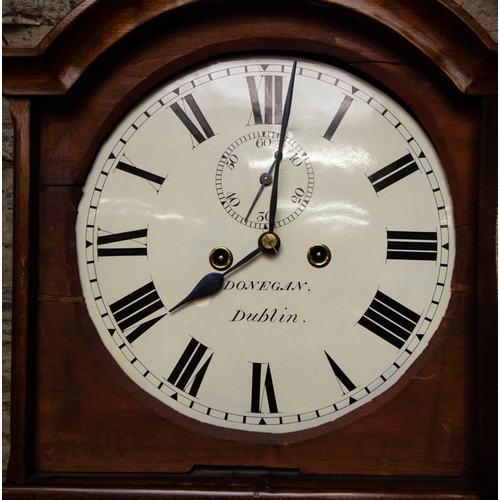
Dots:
pixel 293 340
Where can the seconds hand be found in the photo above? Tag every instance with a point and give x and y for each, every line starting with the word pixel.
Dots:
pixel 265 180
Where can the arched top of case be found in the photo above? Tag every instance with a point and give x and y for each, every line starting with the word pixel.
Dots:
pixel 441 32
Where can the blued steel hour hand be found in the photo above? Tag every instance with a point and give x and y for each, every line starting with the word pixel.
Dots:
pixel 213 282
pixel 268 242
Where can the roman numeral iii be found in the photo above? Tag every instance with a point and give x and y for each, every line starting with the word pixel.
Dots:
pixel 189 371
pixel 389 319
pixel 201 131
pixel 272 100
pixel 108 244
pixel 131 310
pixel 412 245
pixel 393 172
pixel 262 386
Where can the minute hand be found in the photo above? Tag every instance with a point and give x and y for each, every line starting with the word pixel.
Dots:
pixel 279 153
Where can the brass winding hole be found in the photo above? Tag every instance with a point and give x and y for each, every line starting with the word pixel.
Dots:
pixel 220 258
pixel 319 255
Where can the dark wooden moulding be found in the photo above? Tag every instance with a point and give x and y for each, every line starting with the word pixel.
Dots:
pixel 78 429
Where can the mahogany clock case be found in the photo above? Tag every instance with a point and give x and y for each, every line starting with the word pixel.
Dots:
pixel 77 421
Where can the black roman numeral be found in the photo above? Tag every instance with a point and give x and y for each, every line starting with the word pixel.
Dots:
pixel 393 172
pixel 273 99
pixel 187 373
pixel 342 378
pixel 132 309
pixel 155 180
pixel 259 388
pixel 389 319
pixel 412 245
pixel 106 247
pixel 339 116
pixel 200 135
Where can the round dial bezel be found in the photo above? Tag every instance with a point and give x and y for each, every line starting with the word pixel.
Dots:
pixel 132 126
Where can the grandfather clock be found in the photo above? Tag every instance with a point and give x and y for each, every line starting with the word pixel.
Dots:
pixel 255 252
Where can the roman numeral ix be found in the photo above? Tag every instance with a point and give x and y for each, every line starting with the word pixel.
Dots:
pixel 389 319
pixel 131 310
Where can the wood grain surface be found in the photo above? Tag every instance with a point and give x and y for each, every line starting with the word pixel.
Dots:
pixel 80 429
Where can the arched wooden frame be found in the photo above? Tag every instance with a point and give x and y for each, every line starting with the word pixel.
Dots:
pixel 429 54
pixel 440 30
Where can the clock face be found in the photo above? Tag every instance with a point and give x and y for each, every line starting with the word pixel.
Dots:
pixel 298 337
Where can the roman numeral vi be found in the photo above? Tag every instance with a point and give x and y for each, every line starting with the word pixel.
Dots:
pixel 262 387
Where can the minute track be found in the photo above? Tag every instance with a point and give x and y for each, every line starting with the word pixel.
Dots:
pixel 324 189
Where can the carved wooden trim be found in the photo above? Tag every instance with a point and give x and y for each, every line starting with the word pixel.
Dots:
pixel 487 297
pixel 23 284
pixel 450 40
pixel 225 484
pixel 436 33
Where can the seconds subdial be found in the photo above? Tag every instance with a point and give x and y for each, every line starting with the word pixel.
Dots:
pixel 239 177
